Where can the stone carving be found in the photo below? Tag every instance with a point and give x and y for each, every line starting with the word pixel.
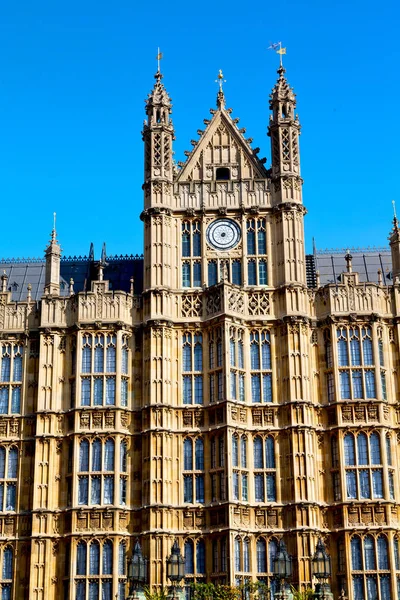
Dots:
pixel 259 303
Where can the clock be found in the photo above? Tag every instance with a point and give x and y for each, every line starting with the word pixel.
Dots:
pixel 223 234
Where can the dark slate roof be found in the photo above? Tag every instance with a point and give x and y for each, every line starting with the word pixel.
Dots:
pixel 366 262
pixel 83 270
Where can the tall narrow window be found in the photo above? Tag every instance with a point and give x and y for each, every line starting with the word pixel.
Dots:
pixel 192 367
pixel 193 471
pixel 8 478
pixel 260 364
pixel 191 249
pixel 10 377
pixel 363 481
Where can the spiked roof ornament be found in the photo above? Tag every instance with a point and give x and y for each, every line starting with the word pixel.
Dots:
pixel 282 90
pixel 158 95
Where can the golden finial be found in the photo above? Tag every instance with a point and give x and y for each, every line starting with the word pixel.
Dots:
pixel 394 208
pixel 220 79
pixel 159 57
pixel 277 46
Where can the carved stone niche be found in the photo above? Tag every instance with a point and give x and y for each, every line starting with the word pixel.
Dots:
pixel 366 515
pixel 353 515
pixel 257 416
pixel 188 519
pixel 359 413
pixel 260 518
pixel 272 519
pixel 347 414
pixel 380 515
pixel 187 418
pixel 372 411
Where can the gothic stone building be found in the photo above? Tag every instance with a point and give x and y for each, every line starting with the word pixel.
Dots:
pixel 219 391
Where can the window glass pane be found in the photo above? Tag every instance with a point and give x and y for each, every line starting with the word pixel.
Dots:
pixel 365 488
pixel 243 452
pixel 188 454
pixel 235 451
pixel 372 591
pixel 267 387
pixel 235 485
pixel 271 487
pixel 375 449
pixel 187 389
pixel 245 493
pixel 355 352
pixel 357 384
pixel 109 456
pixel 16 399
pixel 377 483
pixel 262 273
pixel 108 489
pixel 344 385
pixel 107 557
pixel 200 557
pixel 349 453
pixel 199 488
pixel 94 559
pixel 356 561
pixel 17 375
pixel 7 571
pixel 255 388
pixel 261 556
pixel 385 587
pixel 95 494
pixel 121 558
pixel 189 558
pixel 3 400
pixel 110 391
pixel 197 274
pixel 99 359
pixel 269 453
pixel 84 456
pixel 259 487
pixel 370 384
pixel 2 462
pixel 11 496
pixel 198 353
pixel 258 453
pixel 383 558
pixel 185 240
pixel 98 391
pixel 85 391
pixel 358 589
pixel 251 272
pixel 212 273
pixel 262 241
pixel 367 351
pixel 237 272
pixel 124 392
pixel 362 449
pixel 185 274
pixel 251 242
pixel 125 360
pixel 83 490
pixel 196 240
pixel 187 488
pixel 111 360
pixel 199 455
pixel 81 559
pixel 5 367
pixel 96 455
pixel 343 355
pixel 12 463
pixel 351 485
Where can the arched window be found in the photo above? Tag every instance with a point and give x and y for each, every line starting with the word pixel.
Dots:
pixel 94 558
pixel 356 556
pixel 99 354
pixel 258 453
pixel 343 355
pixel 375 448
pixel 121 558
pixel 198 352
pixel 192 366
pixel 12 463
pixel 107 558
pixel 383 554
pixel 109 455
pixel 272 550
pixel 123 457
pixel 349 452
pixel 362 448
pixel 261 556
pixel 7 572
pixel 355 351
pixel 111 354
pixel 2 462
pixel 235 452
pixel 269 453
pixel 237 554
pixel 369 553
pixel 246 556
pixel 243 451
pixel 81 559
pixel 188 454
pixel 200 557
pixel 334 452
pixel 96 455
pixel 388 450
pixel 199 458
pixel 189 559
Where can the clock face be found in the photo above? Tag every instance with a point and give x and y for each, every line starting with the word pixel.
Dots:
pixel 223 234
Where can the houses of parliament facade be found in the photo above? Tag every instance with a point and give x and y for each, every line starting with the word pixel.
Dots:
pixel 219 391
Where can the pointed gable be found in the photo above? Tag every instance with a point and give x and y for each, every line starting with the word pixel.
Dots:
pixel 222 152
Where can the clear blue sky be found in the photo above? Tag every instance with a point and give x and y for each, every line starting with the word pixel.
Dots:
pixel 74 75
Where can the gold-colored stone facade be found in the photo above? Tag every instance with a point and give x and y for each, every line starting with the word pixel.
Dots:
pixel 217 413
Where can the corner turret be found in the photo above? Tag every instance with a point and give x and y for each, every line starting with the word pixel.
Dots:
pixel 53 260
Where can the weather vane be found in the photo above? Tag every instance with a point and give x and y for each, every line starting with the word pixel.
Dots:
pixel 277 46
pixel 159 57
pixel 220 79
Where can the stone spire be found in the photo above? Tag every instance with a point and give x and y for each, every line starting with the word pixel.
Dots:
pixel 284 130
pixel 53 259
pixel 394 241
pixel 158 135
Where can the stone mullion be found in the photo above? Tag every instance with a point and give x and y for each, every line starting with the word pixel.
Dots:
pixel 244 247
pixel 377 368
pixel 118 372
